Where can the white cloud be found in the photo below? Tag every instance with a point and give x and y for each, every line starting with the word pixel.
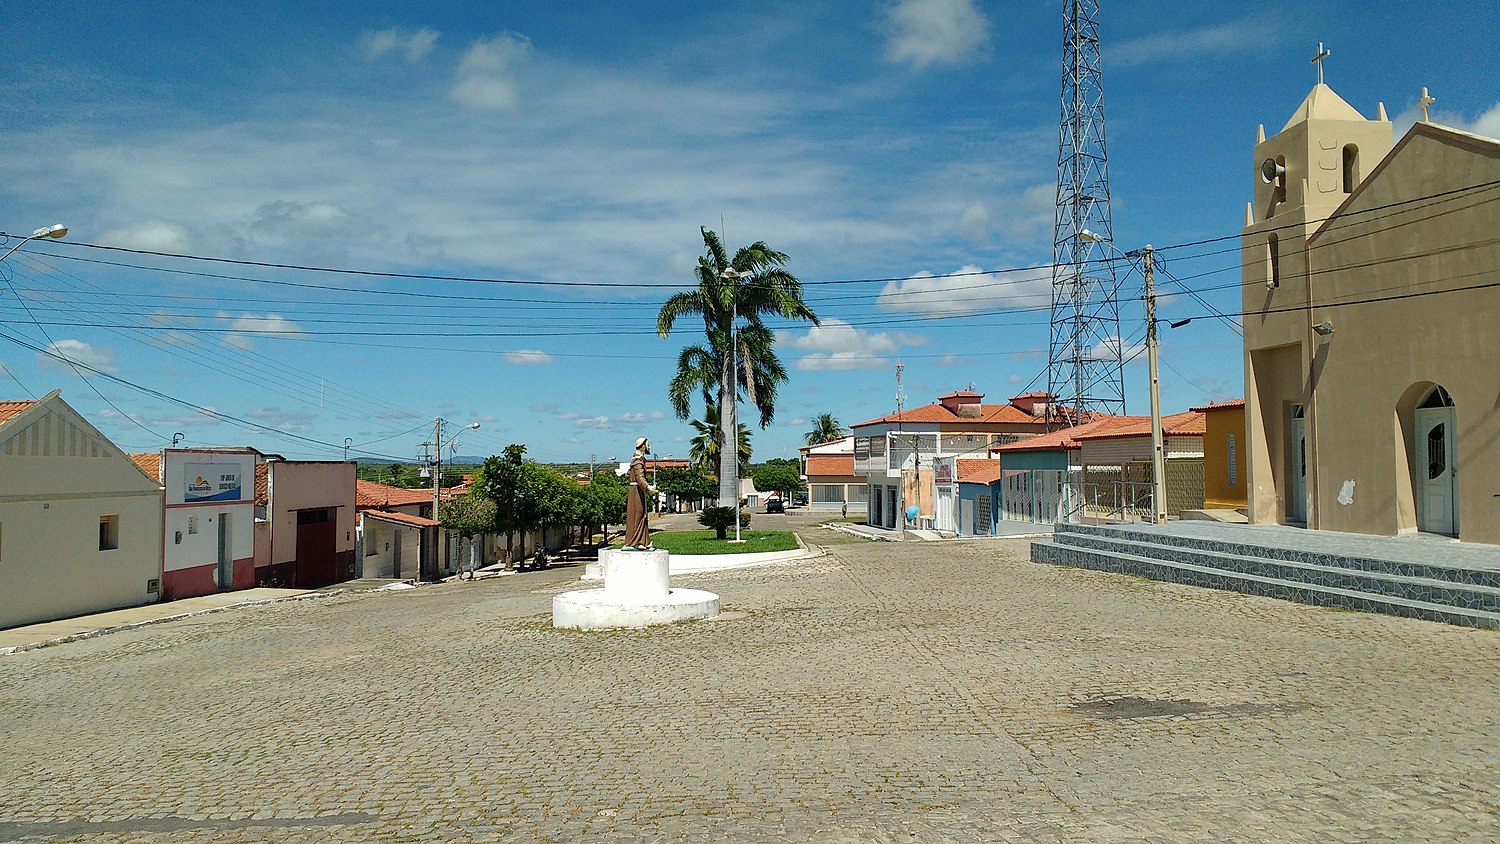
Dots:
pixel 974 223
pixel 98 357
pixel 274 324
pixel 952 359
pixel 295 421
pixel 925 32
pixel 308 220
pixel 1166 47
pixel 837 345
pixel 1106 349
pixel 632 418
pixel 968 290
pixel 412 44
pixel 151 236
pixel 528 357
pixel 1486 124
pixel 486 74
pixel 1014 379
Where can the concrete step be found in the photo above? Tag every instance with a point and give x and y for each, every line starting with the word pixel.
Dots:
pixel 1358 562
pixel 1207 515
pixel 1441 591
pixel 1193 574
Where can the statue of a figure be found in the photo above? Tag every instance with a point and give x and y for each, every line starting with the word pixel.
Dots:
pixel 637 531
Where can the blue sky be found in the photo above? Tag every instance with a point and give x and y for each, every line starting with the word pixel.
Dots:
pixel 882 145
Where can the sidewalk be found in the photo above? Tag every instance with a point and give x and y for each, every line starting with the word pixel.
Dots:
pixel 83 626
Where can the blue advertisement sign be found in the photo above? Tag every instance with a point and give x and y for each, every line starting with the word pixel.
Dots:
pixel 210 482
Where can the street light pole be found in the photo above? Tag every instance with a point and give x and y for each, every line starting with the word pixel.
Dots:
pixel 729 429
pixel 437 484
pixel 1158 450
pixel 55 230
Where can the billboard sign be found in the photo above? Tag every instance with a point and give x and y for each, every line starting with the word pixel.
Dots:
pixel 210 482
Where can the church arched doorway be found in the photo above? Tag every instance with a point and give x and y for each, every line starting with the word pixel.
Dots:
pixel 1435 467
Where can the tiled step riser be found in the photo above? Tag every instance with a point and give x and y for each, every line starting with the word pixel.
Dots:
pixel 1435 572
pixel 1044 552
pixel 1456 595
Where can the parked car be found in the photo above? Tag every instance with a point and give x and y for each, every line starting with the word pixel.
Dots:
pixel 774 505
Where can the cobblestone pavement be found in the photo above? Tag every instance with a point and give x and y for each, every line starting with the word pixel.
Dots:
pixel 925 692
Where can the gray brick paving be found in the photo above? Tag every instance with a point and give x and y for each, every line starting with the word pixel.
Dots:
pixel 931 692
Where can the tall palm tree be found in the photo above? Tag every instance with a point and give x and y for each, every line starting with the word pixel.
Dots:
pixel 704 450
pixel 825 429
pixel 752 285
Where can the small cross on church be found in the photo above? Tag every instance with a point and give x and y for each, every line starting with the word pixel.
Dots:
pixel 1318 60
pixel 1424 104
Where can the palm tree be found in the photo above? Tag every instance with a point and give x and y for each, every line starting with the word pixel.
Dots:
pixel 751 286
pixel 825 429
pixel 703 449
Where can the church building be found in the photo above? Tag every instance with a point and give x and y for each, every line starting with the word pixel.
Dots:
pixel 1371 294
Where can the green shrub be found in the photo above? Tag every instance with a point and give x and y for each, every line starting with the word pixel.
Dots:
pixel 720 519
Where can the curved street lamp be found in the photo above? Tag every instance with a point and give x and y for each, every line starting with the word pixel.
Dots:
pixel 55 230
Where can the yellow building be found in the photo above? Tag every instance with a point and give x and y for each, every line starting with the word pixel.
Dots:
pixel 1223 455
pixel 1371 287
pixel 80 524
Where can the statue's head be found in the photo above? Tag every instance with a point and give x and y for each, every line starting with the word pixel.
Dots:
pixel 643 445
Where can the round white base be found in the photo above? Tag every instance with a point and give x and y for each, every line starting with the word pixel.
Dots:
pixel 595 609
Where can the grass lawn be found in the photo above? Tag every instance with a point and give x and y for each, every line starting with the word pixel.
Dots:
pixel 703 542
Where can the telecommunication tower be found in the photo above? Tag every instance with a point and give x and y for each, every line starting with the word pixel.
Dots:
pixel 1084 360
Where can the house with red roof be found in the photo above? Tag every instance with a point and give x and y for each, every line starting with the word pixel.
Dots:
pixel 828 472
pixel 80 523
pixel 1039 476
pixel 1115 461
pixel 895 453
pixel 398 536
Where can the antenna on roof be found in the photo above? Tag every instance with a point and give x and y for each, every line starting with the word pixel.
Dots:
pixel 900 391
pixel 971 386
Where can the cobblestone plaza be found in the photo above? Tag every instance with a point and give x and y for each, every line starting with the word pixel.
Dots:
pixel 923 692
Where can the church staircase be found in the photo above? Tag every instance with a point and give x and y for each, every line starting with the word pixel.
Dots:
pixel 1417 577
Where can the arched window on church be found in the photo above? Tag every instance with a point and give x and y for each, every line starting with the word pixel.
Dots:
pixel 1273 262
pixel 1351 167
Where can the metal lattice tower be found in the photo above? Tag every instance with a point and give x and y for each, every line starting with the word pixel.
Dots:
pixel 1084 366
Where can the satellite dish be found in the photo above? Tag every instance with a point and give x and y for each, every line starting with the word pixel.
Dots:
pixel 1270 171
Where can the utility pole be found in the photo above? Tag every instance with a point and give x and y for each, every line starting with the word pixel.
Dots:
pixel 437 486
pixel 1158 451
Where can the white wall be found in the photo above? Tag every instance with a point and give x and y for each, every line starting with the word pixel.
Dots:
pixel 182 547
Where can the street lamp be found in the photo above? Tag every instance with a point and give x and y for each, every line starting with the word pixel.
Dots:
pixel 55 230
pixel 1158 448
pixel 729 429
pixel 437 479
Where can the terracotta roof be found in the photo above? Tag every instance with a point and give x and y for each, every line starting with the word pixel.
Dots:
pixel 1220 405
pixel 10 409
pixel 962 394
pixel 403 518
pixel 670 463
pixel 149 463
pixel 372 495
pixel 978 471
pixel 830 465
pixel 933 413
pixel 262 484
pixel 1063 438
pixel 1189 423
pixel 1034 394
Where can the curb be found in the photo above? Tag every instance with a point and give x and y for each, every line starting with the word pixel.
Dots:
pixel 105 631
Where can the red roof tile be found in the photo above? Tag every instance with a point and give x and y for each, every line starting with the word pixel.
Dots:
pixel 1220 405
pixel 1061 439
pixel 11 409
pixel 830 465
pixel 978 471
pixel 148 462
pixel 403 518
pixel 372 495
pixel 1189 423
pixel 936 413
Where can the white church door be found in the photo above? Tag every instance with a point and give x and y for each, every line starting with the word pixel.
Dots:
pixel 1296 510
pixel 1436 469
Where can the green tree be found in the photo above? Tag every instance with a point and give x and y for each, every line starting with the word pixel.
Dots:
pixel 468 515
pixel 499 480
pixel 721 519
pixel 690 484
pixel 825 429
pixel 607 492
pixel 703 449
pixel 758 286
pixel 784 477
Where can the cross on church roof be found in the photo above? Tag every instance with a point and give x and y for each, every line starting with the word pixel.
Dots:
pixel 1424 104
pixel 1318 60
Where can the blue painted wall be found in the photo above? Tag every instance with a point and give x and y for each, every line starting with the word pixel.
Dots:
pixel 972 492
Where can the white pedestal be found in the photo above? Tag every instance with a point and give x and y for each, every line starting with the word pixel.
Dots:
pixel 636 593
pixel 635 576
